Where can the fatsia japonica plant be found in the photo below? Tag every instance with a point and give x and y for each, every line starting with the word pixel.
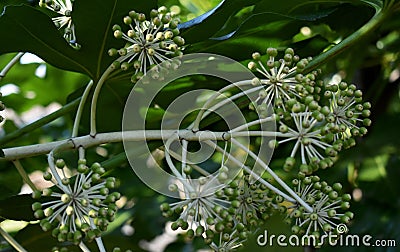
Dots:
pixel 205 122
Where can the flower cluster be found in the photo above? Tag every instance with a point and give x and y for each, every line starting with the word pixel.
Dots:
pixel 223 214
pixel 318 120
pixel 78 207
pixel 203 209
pixel 347 111
pixel 149 41
pixel 64 21
pixel 282 79
pixel 252 203
pixel 327 203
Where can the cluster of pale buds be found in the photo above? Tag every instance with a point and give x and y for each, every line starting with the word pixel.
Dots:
pixel 76 207
pixel 328 203
pixel 348 114
pixel 282 79
pixel 318 120
pixel 64 21
pixel 203 211
pixel 149 42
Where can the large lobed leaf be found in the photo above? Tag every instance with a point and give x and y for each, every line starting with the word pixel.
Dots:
pixel 24 28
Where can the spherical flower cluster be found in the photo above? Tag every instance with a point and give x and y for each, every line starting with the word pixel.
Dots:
pixel 78 207
pixel 321 127
pixel 313 143
pixel 347 110
pixel 231 240
pixel 203 211
pixel 64 20
pixel 223 214
pixel 149 41
pixel 328 204
pixel 252 203
pixel 281 78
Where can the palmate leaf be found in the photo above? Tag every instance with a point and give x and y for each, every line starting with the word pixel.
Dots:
pixel 23 28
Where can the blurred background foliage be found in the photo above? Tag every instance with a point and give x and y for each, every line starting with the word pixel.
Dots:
pixel 233 28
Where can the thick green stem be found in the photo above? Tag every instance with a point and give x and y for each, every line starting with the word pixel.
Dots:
pixel 10 64
pixel 93 107
pixel 80 109
pixel 39 123
pixel 348 42
pixel 11 241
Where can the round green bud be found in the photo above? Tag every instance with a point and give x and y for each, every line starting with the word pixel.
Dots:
pixel 345 205
pixel 288 57
pixel 295 229
pixel 331 213
pixel 345 219
pixel 256 56
pixel 65 181
pixel 61 237
pixel 190 233
pixel 60 163
pixel 65 198
pixel 349 214
pixel 96 201
pixel 173 24
pixel 168 34
pixel 179 41
pixel 69 210
pixel 141 17
pixel 36 194
pixel 306 169
pixel 39 214
pixel 313 216
pixel 95 177
pixel 47 192
pixel 272 52
pixel 187 169
pixel 199 230
pixel 48 211
pixel 36 206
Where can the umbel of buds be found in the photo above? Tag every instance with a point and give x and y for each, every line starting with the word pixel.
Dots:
pixel 329 207
pixel 150 40
pixel 64 20
pixel 80 207
pixel 282 78
pixel 318 120
pixel 314 123
pixel 223 214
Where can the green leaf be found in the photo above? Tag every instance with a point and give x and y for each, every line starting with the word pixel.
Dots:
pixel 17 207
pixel 206 25
pixel 93 21
pixel 23 28
pixel 4 3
